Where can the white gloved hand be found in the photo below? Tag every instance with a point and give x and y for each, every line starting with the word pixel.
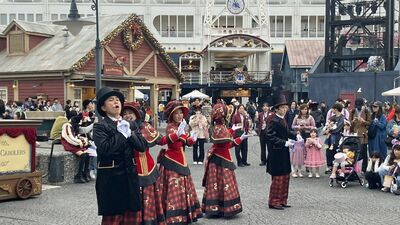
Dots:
pixel 289 143
pixel 194 135
pixel 299 137
pixel 235 127
pixel 244 136
pixel 124 128
pixel 181 128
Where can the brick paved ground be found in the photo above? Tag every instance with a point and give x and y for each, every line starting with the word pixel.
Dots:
pixel 313 201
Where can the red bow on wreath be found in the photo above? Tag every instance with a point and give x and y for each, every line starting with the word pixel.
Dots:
pixel 136 29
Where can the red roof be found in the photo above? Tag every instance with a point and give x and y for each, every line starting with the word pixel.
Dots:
pixel 304 53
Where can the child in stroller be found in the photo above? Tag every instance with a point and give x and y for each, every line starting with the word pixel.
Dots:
pixel 347 160
pixel 342 159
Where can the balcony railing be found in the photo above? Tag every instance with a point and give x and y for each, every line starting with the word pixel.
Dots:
pixel 219 77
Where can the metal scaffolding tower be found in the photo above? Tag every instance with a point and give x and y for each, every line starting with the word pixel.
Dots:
pixel 356 30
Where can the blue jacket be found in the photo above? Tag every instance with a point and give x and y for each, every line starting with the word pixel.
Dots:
pixel 377 144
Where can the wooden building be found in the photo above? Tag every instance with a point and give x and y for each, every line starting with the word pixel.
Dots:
pixel 43 59
pixel 298 58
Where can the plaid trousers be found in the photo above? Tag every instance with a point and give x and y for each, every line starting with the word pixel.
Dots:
pixel 128 218
pixel 279 190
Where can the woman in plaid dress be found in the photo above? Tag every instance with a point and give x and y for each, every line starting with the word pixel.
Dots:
pixel 221 194
pixel 179 198
pixel 152 211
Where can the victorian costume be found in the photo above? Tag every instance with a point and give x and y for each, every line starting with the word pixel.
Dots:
pixel 179 198
pixel 278 160
pixel 117 188
pixel 221 194
pixel 152 210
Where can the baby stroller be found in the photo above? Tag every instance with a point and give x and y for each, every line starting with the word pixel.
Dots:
pixel 350 171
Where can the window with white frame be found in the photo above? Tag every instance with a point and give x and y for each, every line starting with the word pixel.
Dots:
pixel 174 25
pixel 16 42
pixel 3 19
pixel 3 94
pixel 77 95
pixel 280 26
pixel 312 26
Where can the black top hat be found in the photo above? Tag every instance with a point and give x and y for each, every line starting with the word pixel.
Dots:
pixel 359 102
pixel 280 101
pixel 102 96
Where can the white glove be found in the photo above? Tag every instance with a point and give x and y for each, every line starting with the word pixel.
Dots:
pixel 181 128
pixel 289 143
pixel 298 137
pixel 235 127
pixel 244 136
pixel 124 128
pixel 194 135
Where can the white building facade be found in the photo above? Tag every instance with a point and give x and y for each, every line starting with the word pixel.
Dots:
pixel 178 24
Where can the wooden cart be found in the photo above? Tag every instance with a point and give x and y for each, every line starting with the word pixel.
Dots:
pixel 18 175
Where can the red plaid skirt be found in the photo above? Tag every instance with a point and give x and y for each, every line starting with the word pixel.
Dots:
pixel 152 205
pixel 221 195
pixel 179 198
pixel 151 213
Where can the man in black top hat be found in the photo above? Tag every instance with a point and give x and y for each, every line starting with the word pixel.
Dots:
pixel 117 186
pixel 280 138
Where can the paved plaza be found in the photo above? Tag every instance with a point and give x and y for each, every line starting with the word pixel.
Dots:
pixel 312 200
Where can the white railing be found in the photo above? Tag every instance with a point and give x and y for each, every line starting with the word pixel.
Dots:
pixel 218 77
pixel 228 31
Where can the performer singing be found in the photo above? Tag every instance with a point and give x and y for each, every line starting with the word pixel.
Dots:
pixel 278 160
pixel 152 211
pixel 117 188
pixel 180 202
pixel 221 194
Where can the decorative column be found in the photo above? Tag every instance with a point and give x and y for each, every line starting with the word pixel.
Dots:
pixel 154 103
pixel 16 90
pixel 69 91
pixel 175 92
pixel 131 94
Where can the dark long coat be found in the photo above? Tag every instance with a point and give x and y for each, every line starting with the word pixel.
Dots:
pixel 278 160
pixel 117 186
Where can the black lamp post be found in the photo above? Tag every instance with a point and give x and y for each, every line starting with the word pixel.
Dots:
pixel 75 24
pixel 95 7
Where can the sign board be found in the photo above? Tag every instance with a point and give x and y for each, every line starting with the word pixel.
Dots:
pixel 113 70
pixel 235 93
pixel 15 154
